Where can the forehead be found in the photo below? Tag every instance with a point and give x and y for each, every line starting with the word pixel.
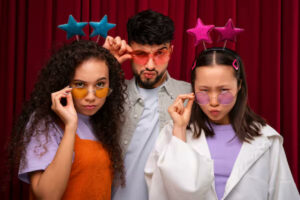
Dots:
pixel 91 70
pixel 214 76
pixel 148 48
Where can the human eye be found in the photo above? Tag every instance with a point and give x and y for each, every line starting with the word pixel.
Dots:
pixel 203 90
pixel 224 90
pixel 100 85
pixel 140 53
pixel 79 85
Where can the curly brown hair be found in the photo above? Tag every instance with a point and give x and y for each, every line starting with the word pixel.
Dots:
pixel 57 73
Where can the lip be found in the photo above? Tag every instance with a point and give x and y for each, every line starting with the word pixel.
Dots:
pixel 214 112
pixel 89 107
pixel 149 74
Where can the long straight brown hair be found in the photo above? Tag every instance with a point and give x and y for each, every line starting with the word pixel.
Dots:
pixel 244 121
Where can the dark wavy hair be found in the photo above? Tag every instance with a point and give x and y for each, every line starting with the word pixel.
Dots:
pixel 150 27
pixel 57 74
pixel 244 121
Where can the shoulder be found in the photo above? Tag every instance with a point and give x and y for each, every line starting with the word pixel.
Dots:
pixel 177 87
pixel 180 83
pixel 268 131
pixel 271 134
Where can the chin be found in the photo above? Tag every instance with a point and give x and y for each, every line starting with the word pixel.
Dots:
pixel 88 113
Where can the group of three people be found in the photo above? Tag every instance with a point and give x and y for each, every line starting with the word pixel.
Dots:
pixel 86 133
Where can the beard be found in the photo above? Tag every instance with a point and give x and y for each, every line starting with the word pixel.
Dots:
pixel 148 83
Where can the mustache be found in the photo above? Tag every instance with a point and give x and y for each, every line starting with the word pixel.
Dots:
pixel 149 70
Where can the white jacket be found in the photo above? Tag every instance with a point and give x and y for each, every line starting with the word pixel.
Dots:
pixel 177 170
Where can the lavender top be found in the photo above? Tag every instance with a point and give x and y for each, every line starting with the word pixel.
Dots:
pixel 38 158
pixel 224 148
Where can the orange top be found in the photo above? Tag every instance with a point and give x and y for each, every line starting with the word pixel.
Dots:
pixel 91 173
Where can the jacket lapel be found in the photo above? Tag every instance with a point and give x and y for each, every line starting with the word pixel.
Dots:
pixel 249 154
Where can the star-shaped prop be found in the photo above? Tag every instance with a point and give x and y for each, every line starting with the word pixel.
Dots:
pixel 73 27
pixel 228 32
pixel 101 28
pixel 201 32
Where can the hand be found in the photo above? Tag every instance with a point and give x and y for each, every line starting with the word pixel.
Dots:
pixel 66 113
pixel 180 114
pixel 119 48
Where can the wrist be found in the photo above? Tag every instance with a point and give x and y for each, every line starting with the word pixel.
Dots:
pixel 71 127
pixel 179 131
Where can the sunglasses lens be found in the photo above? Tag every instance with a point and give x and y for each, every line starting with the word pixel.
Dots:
pixel 161 57
pixel 79 93
pixel 202 98
pixel 103 92
pixel 225 98
pixel 140 58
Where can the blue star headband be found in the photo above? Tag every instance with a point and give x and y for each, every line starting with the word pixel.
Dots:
pixel 75 28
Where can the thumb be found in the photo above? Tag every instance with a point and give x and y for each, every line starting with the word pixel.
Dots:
pixel 190 105
pixel 123 58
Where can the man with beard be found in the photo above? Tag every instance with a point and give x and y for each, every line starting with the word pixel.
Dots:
pixel 150 92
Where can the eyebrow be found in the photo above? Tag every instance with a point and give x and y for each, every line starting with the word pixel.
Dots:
pixel 141 50
pixel 100 79
pixel 207 87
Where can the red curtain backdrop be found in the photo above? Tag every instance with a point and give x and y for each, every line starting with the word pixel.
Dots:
pixel 269 47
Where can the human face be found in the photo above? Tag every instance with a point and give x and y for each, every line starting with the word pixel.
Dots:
pixel 149 63
pixel 221 87
pixel 90 86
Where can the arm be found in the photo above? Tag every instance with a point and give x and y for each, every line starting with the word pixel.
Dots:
pixel 51 183
pixel 282 185
pixel 174 169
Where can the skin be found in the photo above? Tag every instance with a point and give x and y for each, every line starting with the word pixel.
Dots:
pixel 149 75
pixel 213 80
pixel 51 183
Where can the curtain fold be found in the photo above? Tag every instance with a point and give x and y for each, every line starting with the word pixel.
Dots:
pixel 269 47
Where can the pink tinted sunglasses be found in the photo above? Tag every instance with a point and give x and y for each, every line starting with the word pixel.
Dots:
pixel 223 98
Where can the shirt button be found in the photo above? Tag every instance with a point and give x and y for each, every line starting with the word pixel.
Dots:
pixel 135 116
pixel 125 141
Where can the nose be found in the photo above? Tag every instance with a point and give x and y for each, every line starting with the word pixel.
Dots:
pixel 90 95
pixel 150 65
pixel 213 100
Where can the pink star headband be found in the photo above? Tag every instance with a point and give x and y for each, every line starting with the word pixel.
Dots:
pixel 201 32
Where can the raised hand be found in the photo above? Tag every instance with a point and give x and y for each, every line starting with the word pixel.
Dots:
pixel 66 113
pixel 181 114
pixel 118 47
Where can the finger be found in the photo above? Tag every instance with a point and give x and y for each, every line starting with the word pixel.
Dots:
pixel 123 47
pixel 117 43
pixel 110 40
pixel 123 58
pixel 69 99
pixel 54 95
pixel 188 109
pixel 128 48
pixel 190 103
pixel 186 96
pixel 180 107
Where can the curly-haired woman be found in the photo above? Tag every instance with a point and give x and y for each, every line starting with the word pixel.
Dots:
pixel 66 140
